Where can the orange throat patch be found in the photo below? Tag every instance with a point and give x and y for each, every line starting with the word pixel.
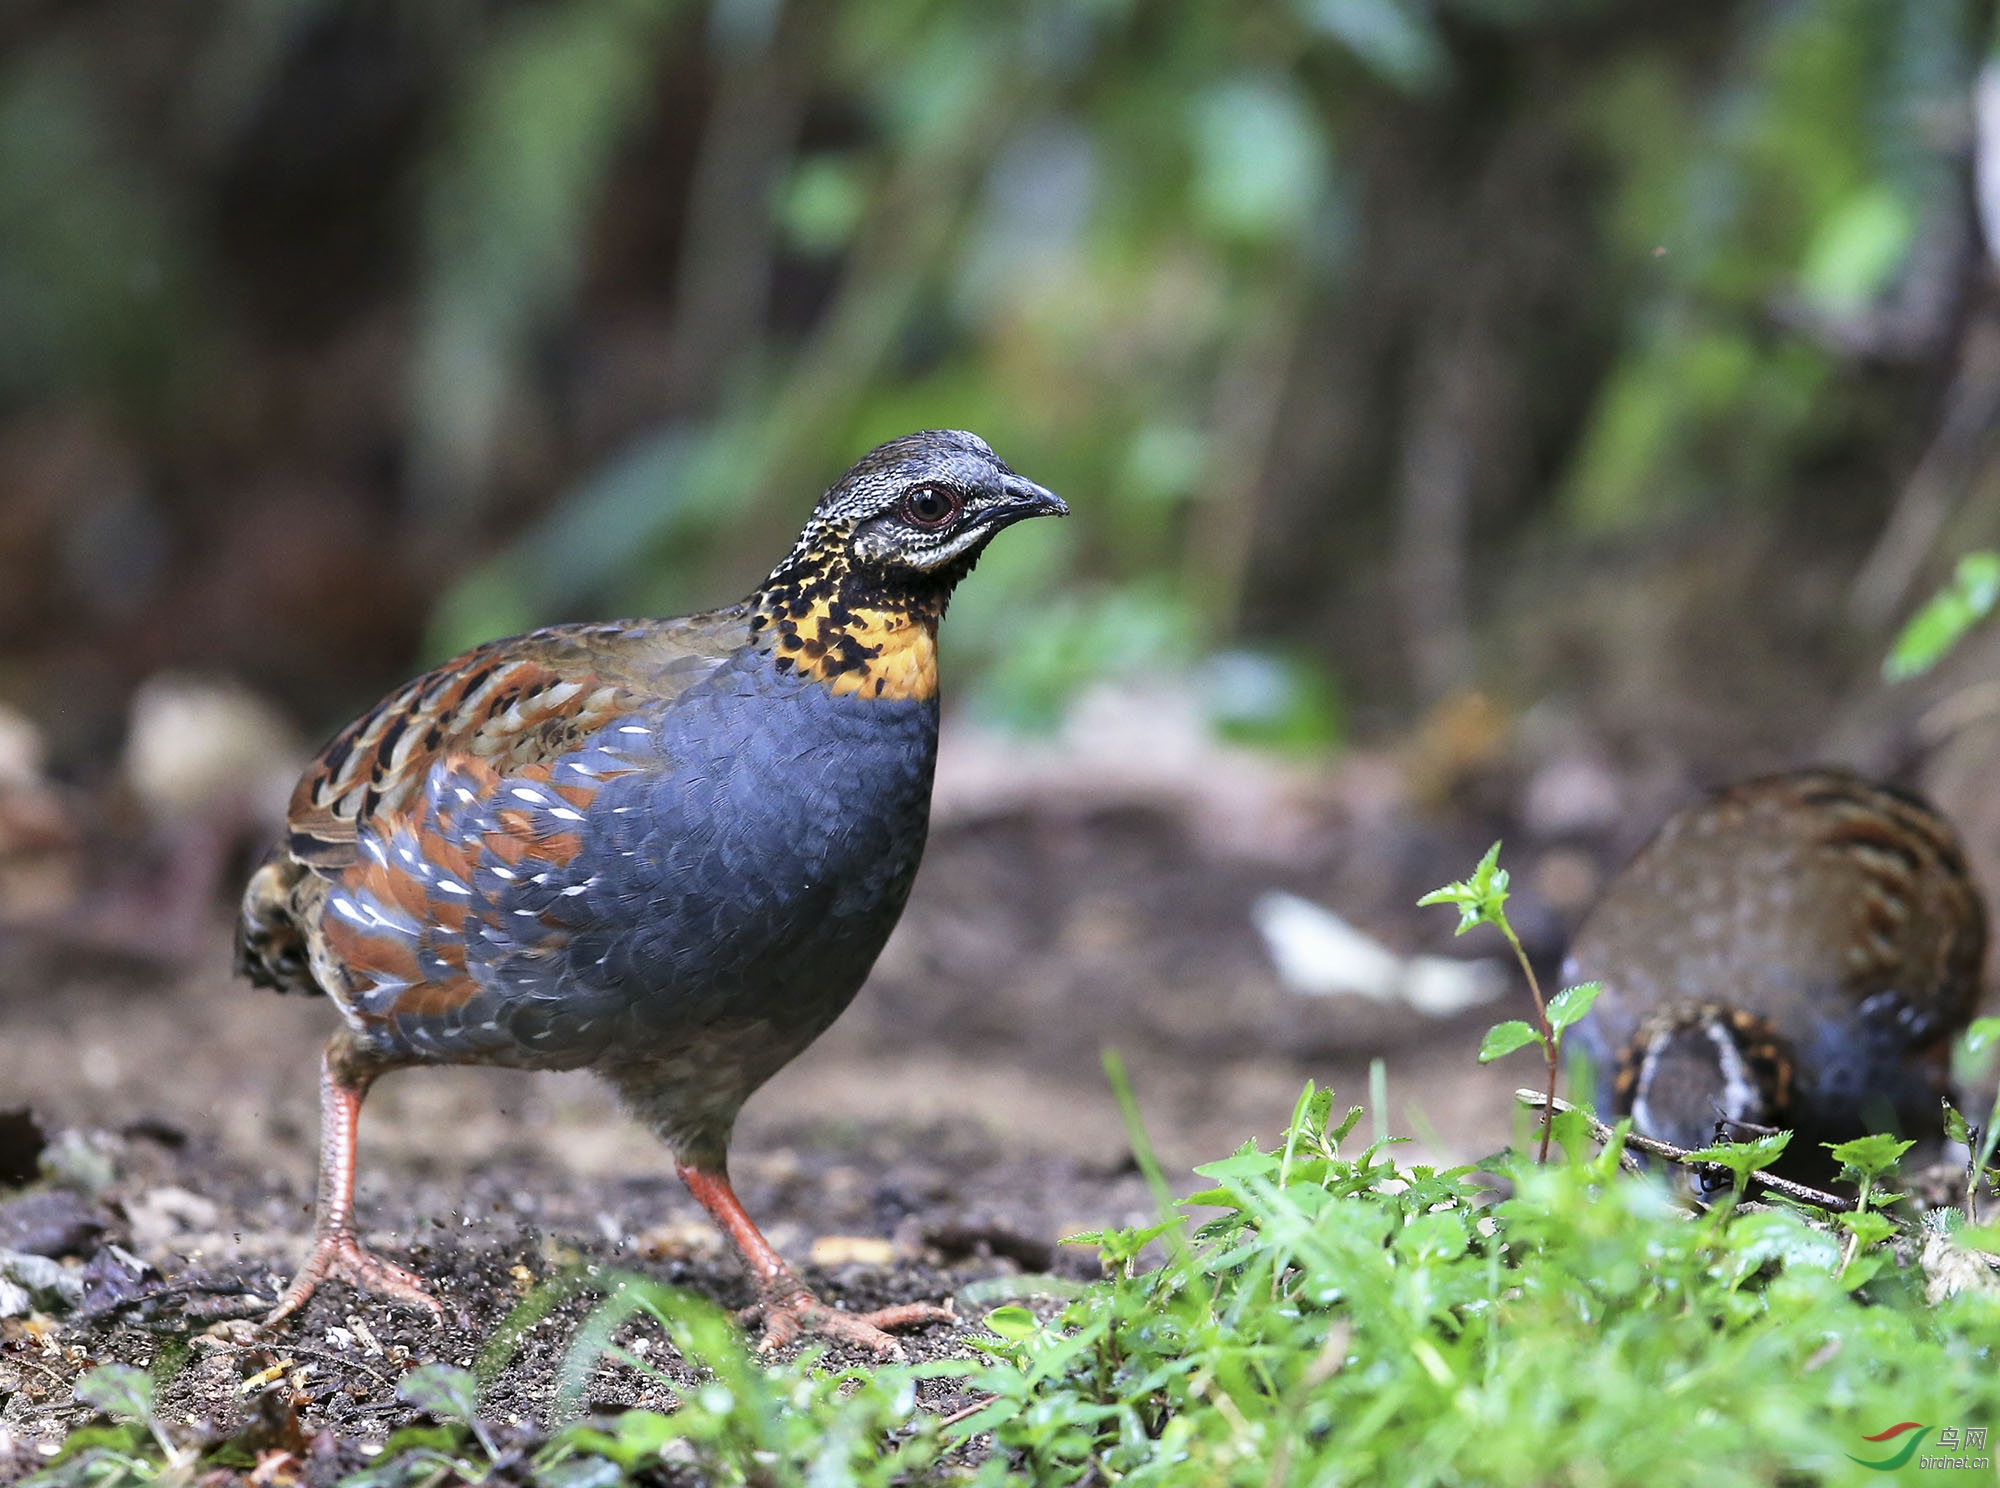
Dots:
pixel 877 653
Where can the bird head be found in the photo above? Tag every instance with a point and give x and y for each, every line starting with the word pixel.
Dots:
pixel 1692 1068
pixel 914 514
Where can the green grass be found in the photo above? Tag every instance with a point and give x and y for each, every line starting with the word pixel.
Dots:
pixel 1348 1320
pixel 1335 1318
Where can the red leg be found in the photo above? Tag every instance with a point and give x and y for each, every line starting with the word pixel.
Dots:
pixel 336 1254
pixel 789 1306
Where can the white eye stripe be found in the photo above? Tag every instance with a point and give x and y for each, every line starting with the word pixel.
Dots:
pixel 1739 1088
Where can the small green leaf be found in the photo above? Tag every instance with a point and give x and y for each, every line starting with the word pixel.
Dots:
pixel 1461 895
pixel 87 1445
pixel 1015 1324
pixel 438 1389
pixel 1571 1130
pixel 1570 1004
pixel 1946 1219
pixel 631 1438
pixel 1503 1039
pixel 1252 1164
pixel 119 1390
pixel 1433 1237
pixel 1867 1226
pixel 1336 1135
pixel 1866 1156
pixel 1984 1238
pixel 444 1440
pixel 1862 1269
pixel 996 1289
pixel 1946 617
pixel 1956 1128
pixel 1481 899
pixel 1744 1158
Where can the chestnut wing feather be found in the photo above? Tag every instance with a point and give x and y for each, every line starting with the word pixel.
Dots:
pixel 508 704
pixel 510 708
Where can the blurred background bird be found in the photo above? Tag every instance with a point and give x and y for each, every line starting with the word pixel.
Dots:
pixel 666 850
pixel 1795 952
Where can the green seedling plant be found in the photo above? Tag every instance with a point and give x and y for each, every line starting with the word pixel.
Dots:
pixel 1482 900
pixel 459 1448
pixel 121 1452
pixel 1866 1161
pixel 1741 1159
pixel 1974 1051
pixel 738 1420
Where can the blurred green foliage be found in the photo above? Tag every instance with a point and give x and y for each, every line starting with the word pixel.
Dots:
pixel 1945 617
pixel 1127 240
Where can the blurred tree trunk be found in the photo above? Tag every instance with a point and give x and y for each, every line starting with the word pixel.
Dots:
pixel 1443 411
pixel 724 283
pixel 1444 372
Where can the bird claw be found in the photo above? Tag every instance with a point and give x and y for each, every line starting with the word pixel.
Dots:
pixel 798 1312
pixel 339 1257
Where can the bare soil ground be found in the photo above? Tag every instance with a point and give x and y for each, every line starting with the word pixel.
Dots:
pixel 943 1137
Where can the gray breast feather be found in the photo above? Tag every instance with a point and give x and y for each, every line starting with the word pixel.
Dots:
pixel 750 868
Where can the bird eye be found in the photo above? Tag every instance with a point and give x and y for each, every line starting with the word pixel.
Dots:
pixel 927 506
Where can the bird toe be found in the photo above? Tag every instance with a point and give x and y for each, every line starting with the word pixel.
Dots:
pixel 339 1257
pixel 802 1314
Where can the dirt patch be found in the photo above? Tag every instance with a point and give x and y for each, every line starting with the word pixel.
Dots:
pixel 941 1139
pixel 958 1216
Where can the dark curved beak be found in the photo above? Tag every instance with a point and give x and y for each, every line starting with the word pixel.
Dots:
pixel 1026 499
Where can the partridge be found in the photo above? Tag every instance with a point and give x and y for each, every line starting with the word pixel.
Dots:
pixel 664 850
pixel 1793 952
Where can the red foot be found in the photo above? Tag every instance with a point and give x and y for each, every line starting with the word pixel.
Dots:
pixel 797 1311
pixel 339 1257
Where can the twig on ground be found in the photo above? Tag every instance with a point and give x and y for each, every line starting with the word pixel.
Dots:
pixel 967 1410
pixel 1770 1182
